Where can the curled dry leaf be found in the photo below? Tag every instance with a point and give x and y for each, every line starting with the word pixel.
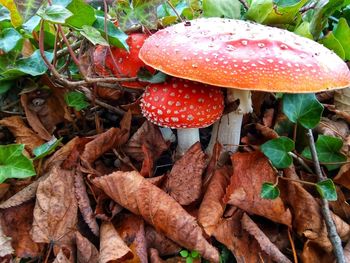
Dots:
pixel 16 223
pixel 312 253
pixel 106 209
pixel 44 109
pixel 268 117
pixel 55 213
pixel 108 93
pixel 161 243
pixel 24 195
pixel 212 207
pixel 308 220
pixel 154 256
pixel 343 176
pixel 341 207
pixel 141 197
pixel 265 244
pixel 131 229
pixel 337 128
pixel 267 132
pixel 243 247
pixel 184 183
pixel 99 145
pixel 84 203
pixel 250 171
pixel 149 135
pixel 61 258
pixel 5 244
pixel 112 247
pixel 22 133
pixel 86 251
pixel 63 154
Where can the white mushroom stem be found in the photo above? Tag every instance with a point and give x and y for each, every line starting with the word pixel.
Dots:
pixel 227 131
pixel 185 139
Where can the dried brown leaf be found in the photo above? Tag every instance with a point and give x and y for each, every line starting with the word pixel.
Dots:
pixel 86 251
pixel 267 132
pixel 55 213
pixel 112 247
pixel 250 171
pixel 149 135
pixel 106 209
pixel 265 244
pixel 312 253
pixel 336 128
pixel 99 145
pixel 343 176
pixel 308 220
pixel 238 241
pixel 184 183
pixel 61 258
pixel 141 197
pixel 268 117
pixel 131 229
pixel 212 207
pixel 341 207
pixel 4 189
pixel 108 93
pixel 154 256
pixel 16 223
pixel 44 109
pixel 22 133
pixel 161 243
pixel 84 203
pixel 5 244
pixel 62 154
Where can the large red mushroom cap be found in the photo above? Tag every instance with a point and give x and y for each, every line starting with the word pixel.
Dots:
pixel 182 104
pixel 239 54
pixel 128 63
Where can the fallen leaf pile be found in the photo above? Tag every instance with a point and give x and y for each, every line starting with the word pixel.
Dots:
pixel 113 192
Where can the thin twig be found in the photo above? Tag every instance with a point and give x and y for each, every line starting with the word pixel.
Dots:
pixel 245 4
pixel 332 230
pixel 64 51
pixel 301 161
pixel 175 11
pixel 295 257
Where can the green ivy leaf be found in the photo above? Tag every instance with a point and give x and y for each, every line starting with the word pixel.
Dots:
pixel 184 253
pixel 77 100
pixel 269 191
pixel 304 30
pixel 342 33
pixel 9 38
pixel 323 10
pixel 28 8
pixel 331 42
pixel 194 254
pixel 33 65
pixel 277 150
pixel 259 10
pixel 327 148
pixel 13 164
pixel 116 37
pixel 46 148
pixel 304 109
pixel 189 260
pixel 83 14
pixel 93 35
pixel 55 14
pixel 32 24
pixel 222 8
pixel 146 76
pixel 327 190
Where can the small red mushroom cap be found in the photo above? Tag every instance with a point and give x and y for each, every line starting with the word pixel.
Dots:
pixel 182 104
pixel 128 63
pixel 239 54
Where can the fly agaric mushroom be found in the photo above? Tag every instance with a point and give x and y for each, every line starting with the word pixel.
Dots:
pixel 243 56
pixel 183 105
pixel 128 63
